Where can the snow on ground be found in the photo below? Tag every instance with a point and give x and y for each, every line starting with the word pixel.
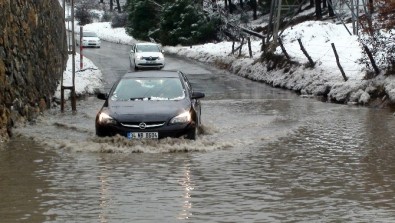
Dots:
pixel 316 36
pixel 87 79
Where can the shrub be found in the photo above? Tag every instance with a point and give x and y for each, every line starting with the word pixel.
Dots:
pixel 119 20
pixel 107 16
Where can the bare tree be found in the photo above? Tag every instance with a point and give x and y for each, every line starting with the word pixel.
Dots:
pixel 254 7
pixel 330 8
pixel 118 6
pixel 311 3
pixel 318 10
pixel 231 6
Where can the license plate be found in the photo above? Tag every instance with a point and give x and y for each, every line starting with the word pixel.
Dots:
pixel 142 135
pixel 151 61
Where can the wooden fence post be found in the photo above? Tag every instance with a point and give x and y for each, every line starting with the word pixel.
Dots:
pixel 306 54
pixel 283 49
pixel 241 46
pixel 233 47
pixel 376 69
pixel 249 46
pixel 338 63
pixel 263 46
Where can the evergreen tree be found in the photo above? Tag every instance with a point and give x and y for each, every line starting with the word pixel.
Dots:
pixel 185 22
pixel 143 18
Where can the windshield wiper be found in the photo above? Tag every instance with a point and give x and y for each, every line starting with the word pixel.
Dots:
pixel 140 99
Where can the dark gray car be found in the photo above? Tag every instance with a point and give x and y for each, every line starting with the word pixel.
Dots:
pixel 150 104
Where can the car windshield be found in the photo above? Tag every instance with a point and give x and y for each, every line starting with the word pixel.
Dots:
pixel 89 34
pixel 132 89
pixel 147 48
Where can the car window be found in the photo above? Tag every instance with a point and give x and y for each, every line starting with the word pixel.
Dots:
pixel 147 48
pixel 148 89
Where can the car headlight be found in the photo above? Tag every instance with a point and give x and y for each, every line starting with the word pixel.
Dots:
pixel 106 119
pixel 184 117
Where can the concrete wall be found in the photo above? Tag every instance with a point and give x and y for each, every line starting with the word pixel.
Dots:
pixel 32 56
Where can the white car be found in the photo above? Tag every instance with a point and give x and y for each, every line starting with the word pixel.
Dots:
pixel 89 39
pixel 146 55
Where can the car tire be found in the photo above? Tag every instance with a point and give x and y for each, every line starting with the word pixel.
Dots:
pixel 100 133
pixel 192 133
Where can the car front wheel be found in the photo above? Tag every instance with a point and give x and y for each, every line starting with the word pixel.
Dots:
pixel 192 133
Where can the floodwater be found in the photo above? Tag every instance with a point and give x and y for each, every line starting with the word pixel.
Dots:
pixel 264 155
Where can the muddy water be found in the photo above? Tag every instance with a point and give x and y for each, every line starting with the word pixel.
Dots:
pixel 264 155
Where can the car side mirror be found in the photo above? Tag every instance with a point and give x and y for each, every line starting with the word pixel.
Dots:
pixel 197 95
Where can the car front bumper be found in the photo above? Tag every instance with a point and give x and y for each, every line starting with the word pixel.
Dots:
pixel 158 63
pixel 173 131
pixel 90 44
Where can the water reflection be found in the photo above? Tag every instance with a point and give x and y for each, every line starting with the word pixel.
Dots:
pixel 104 194
pixel 23 181
pixel 187 187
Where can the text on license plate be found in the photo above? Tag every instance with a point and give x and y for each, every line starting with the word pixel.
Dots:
pixel 142 135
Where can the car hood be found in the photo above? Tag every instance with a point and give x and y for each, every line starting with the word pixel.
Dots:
pixel 149 54
pixel 147 111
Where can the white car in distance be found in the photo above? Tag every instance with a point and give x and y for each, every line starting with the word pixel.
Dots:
pixel 89 39
pixel 146 55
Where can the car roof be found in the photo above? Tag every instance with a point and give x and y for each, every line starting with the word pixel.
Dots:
pixel 152 73
pixel 147 43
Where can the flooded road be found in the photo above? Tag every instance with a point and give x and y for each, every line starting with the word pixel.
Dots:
pixel 265 155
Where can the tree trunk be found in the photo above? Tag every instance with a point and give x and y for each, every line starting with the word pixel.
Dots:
pixel 241 3
pixel 119 6
pixel 311 3
pixel 324 5
pixel 111 5
pixel 370 5
pixel 318 11
pixel 226 4
pixel 330 9
pixel 230 6
pixel 254 9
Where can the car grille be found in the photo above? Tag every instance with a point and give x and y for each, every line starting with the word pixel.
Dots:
pixel 150 58
pixel 137 125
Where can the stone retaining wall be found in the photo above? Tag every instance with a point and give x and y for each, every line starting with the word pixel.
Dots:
pixel 32 57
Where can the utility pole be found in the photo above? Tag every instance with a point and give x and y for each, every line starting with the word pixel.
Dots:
pixel 277 22
pixel 70 50
pixel 354 7
pixel 353 17
pixel 274 23
pixel 276 8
